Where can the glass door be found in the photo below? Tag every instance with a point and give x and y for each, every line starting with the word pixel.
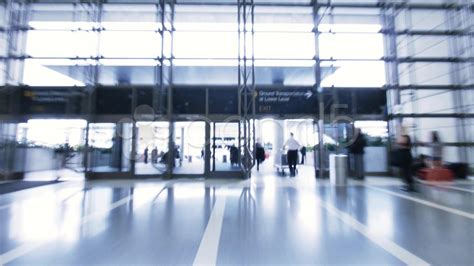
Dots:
pixel 151 148
pixel 225 153
pixel 190 147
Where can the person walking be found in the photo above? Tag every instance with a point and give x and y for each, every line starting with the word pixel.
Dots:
pixel 145 154
pixel 154 155
pixel 356 149
pixel 292 154
pixel 303 154
pixel 436 150
pixel 259 154
pixel 404 160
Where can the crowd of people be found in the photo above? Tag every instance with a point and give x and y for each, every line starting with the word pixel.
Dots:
pixel 159 157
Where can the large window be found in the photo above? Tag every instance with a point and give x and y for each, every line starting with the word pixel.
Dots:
pixel 121 44
pixel 67 42
pixel 351 47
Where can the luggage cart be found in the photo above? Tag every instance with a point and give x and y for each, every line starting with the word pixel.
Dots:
pixel 281 163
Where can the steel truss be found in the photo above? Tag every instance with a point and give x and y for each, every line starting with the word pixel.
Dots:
pixel 246 84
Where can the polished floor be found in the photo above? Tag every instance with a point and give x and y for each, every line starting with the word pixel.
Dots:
pixel 268 220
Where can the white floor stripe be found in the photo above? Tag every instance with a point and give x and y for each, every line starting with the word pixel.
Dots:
pixel 207 252
pixel 389 246
pixel 29 247
pixel 425 202
pixel 455 188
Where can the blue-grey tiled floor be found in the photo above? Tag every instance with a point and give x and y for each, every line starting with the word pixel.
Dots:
pixel 266 221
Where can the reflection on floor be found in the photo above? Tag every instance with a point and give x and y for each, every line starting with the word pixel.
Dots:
pixel 226 166
pixel 267 220
pixel 267 168
pixel 195 166
pixel 63 174
pixel 9 187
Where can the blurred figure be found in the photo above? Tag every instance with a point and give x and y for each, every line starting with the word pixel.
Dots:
pixel 164 158
pixel 177 154
pixel 234 155
pixel 436 150
pixel 404 162
pixel 154 155
pixel 145 154
pixel 356 149
pixel 303 154
pixel 292 154
pixel 259 154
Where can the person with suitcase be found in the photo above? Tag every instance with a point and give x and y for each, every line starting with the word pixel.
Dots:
pixel 292 154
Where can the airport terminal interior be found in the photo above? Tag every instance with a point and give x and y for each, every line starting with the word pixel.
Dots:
pixel 236 132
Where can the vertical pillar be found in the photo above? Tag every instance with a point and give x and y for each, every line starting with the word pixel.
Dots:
pixel 454 19
pixel 207 149
pixel 279 135
pixel 133 151
pixel 321 141
pixel 391 71
pixel 316 20
pixel 171 149
pixel 181 155
pixel 127 142
pixel 116 157
pixel 85 161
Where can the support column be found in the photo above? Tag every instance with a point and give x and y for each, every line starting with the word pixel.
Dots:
pixel 321 142
pixel 207 149
pixel 116 157
pixel 181 154
pixel 278 128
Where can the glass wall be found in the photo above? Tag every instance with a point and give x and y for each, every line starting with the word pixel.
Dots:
pixel 122 44
pixel 45 149
pixel 77 45
pixel 432 46
pixel 419 51
pixel 351 47
pixel 110 147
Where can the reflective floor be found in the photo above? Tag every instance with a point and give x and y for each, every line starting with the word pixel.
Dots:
pixel 267 220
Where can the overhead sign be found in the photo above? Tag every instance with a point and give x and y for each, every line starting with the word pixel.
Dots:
pixel 51 101
pixel 286 101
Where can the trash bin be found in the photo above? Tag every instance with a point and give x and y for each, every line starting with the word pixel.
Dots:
pixel 338 169
pixel 224 158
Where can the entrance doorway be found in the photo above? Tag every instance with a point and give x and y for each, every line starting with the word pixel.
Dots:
pixel 225 153
pixel 272 134
pixel 190 139
pixel 152 148
pixel 153 145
